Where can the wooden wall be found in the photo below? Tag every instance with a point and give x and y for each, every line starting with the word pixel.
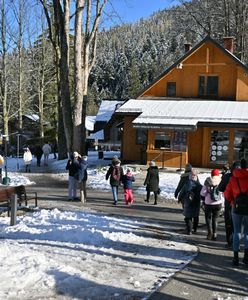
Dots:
pixel 130 150
pixel 195 147
pixel 207 60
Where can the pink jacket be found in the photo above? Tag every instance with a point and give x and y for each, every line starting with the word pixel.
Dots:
pixel 215 180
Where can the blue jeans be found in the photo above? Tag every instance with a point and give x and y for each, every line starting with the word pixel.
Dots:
pixel 115 192
pixel 238 220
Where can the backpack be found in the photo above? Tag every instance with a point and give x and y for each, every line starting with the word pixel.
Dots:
pixel 241 202
pixel 116 173
pixel 214 193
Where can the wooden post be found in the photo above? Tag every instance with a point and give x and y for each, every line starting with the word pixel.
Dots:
pixel 13 207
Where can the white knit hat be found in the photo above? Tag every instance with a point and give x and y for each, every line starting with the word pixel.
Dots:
pixel 75 154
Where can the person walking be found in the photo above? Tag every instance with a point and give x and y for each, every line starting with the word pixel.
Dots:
pixel 46 151
pixel 38 154
pixel 183 179
pixel 83 176
pixel 73 167
pixel 152 182
pixel 236 189
pixel 27 158
pixel 226 176
pixel 213 201
pixel 127 181
pixel 115 173
pixel 190 195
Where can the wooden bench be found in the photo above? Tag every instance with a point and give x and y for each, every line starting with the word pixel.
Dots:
pixel 20 191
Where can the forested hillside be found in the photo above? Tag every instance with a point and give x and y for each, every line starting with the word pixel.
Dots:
pixel 44 69
pixel 132 55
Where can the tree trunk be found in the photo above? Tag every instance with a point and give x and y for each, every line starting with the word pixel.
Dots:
pixel 3 73
pixel 78 79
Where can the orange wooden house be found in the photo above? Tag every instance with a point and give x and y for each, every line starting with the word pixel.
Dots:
pixel 196 111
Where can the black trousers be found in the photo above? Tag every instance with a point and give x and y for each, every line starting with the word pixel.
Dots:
pixel 211 216
pixel 228 222
pixel 148 196
pixel 191 223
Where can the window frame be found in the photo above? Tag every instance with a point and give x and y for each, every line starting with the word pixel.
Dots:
pixel 139 132
pixel 171 85
pixel 208 86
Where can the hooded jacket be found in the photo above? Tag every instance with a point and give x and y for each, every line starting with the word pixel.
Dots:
pixel 232 189
pixel 205 192
pixel 128 180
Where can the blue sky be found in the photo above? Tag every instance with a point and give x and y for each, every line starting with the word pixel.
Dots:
pixel 131 11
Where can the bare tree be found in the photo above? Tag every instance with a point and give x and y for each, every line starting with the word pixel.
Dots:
pixel 85 38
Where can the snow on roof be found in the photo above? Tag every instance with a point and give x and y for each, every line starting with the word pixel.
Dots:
pixel 89 122
pixel 185 112
pixel 99 135
pixel 33 117
pixel 106 110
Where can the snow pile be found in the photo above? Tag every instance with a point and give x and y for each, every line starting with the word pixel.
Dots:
pixel 76 255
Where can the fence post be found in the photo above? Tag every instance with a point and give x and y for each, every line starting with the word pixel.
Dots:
pixel 13 207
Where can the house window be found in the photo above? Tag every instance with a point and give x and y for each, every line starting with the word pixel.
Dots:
pixel 162 140
pixel 208 86
pixel 219 146
pixel 141 136
pixel 240 144
pixel 171 89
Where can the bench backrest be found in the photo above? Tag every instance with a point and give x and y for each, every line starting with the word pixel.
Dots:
pixel 6 192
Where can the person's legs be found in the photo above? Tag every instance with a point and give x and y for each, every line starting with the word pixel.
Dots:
pixel 71 187
pixel 208 215
pixel 245 260
pixel 126 196
pixel 147 196
pixel 237 224
pixel 131 197
pixel 215 216
pixel 228 223
pixel 188 222
pixel 195 223
pixel 83 193
pixel 74 188
pixel 155 197
pixel 115 193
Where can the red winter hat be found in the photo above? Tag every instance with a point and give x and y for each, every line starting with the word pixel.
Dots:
pixel 215 172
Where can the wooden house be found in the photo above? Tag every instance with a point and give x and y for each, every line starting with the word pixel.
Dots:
pixel 106 123
pixel 196 111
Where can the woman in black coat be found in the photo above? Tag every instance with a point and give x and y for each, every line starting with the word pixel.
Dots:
pixel 191 197
pixel 152 182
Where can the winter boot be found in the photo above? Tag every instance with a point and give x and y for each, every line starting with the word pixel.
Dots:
pixel 210 235
pixel 245 259
pixel 214 237
pixel 236 258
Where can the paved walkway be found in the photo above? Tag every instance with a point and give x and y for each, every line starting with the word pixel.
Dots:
pixel 209 276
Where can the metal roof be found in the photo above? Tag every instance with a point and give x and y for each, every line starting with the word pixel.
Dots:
pixel 185 113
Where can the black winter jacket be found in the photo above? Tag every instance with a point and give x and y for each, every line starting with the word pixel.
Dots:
pixel 152 179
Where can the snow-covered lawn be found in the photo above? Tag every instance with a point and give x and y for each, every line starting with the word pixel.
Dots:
pixel 52 254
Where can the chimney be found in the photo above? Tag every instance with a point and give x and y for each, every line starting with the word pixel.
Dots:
pixel 187 47
pixel 229 43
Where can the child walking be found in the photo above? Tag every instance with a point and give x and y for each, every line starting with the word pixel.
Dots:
pixel 127 181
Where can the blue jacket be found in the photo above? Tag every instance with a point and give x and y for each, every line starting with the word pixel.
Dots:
pixel 82 172
pixel 128 180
